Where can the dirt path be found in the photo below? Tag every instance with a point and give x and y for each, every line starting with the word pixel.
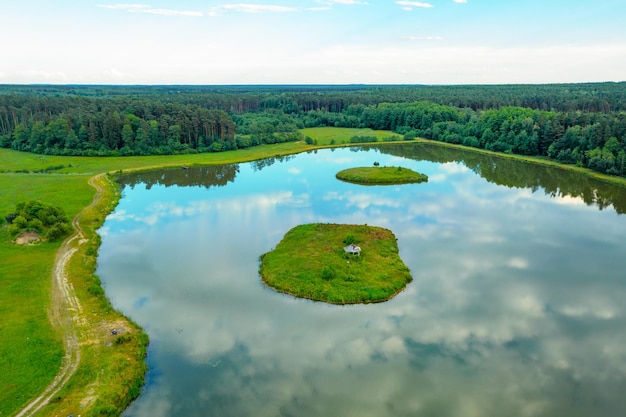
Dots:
pixel 66 313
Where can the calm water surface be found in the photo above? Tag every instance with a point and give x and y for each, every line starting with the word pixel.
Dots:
pixel 517 307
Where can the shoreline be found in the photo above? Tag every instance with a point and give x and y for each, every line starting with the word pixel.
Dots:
pixel 87 225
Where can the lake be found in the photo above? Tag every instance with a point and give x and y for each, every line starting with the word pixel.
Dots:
pixel 516 307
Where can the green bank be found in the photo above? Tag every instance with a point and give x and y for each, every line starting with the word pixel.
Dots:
pixel 111 367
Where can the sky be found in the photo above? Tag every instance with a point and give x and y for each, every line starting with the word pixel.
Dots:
pixel 312 42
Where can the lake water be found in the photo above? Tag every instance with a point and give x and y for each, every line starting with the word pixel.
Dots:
pixel 517 307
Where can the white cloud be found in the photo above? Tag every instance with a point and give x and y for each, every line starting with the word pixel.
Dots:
pixel 410 5
pixel 54 76
pixel 568 200
pixel 423 38
pixel 119 76
pixel 144 8
pixel 598 312
pixel 361 201
pixel 518 263
pixel 454 168
pixel 460 1
pixel 249 8
pixel 124 6
pixel 480 64
pixel 344 2
pixel 287 62
pixel 168 12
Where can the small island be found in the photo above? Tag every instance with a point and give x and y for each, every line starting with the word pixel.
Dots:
pixel 378 175
pixel 337 264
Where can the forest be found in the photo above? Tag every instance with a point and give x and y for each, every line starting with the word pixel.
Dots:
pixel 582 124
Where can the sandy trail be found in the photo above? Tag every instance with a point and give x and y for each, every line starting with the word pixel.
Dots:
pixel 66 313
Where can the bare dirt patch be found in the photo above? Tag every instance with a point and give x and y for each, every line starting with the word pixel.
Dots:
pixel 27 238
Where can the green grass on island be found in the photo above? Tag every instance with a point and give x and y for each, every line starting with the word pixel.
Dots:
pixel 310 262
pixel 381 175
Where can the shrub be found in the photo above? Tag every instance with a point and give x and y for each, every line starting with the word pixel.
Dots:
pixel 57 231
pixel 410 135
pixel 20 222
pixel 44 218
pixel 9 217
pixel 363 139
pixel 13 230
pixel 95 290
pixel 120 340
pixel 328 273
pixel 35 224
pixel 349 239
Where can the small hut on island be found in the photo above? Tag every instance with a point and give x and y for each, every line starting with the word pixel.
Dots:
pixel 353 249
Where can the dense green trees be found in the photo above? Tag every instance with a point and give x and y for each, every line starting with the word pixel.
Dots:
pixel 593 140
pixel 582 124
pixel 270 126
pixel 48 221
pixel 120 126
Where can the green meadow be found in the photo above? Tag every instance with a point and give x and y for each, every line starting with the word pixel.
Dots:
pixel 30 352
pixel 341 135
pixel 13 161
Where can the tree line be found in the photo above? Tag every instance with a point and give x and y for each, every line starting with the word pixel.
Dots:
pixel 122 126
pixel 592 140
pixel 583 124
pixel 586 97
pixel 551 180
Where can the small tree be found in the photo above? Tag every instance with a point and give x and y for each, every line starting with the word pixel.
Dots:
pixel 328 273
pixel 36 225
pixel 349 239
pixel 20 222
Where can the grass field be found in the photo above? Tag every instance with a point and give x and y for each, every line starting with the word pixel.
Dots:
pixel 310 262
pixel 30 351
pixel 13 161
pixel 341 135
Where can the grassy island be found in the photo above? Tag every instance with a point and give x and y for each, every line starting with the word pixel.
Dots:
pixel 314 261
pixel 381 175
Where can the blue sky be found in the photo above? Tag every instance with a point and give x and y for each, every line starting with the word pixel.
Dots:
pixel 313 41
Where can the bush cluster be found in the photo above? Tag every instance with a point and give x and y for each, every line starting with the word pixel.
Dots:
pixel 47 220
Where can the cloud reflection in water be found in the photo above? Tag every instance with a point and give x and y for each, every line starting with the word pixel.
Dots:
pixel 512 311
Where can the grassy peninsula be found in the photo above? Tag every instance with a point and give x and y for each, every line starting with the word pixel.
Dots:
pixel 110 369
pixel 310 262
pixel 381 175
